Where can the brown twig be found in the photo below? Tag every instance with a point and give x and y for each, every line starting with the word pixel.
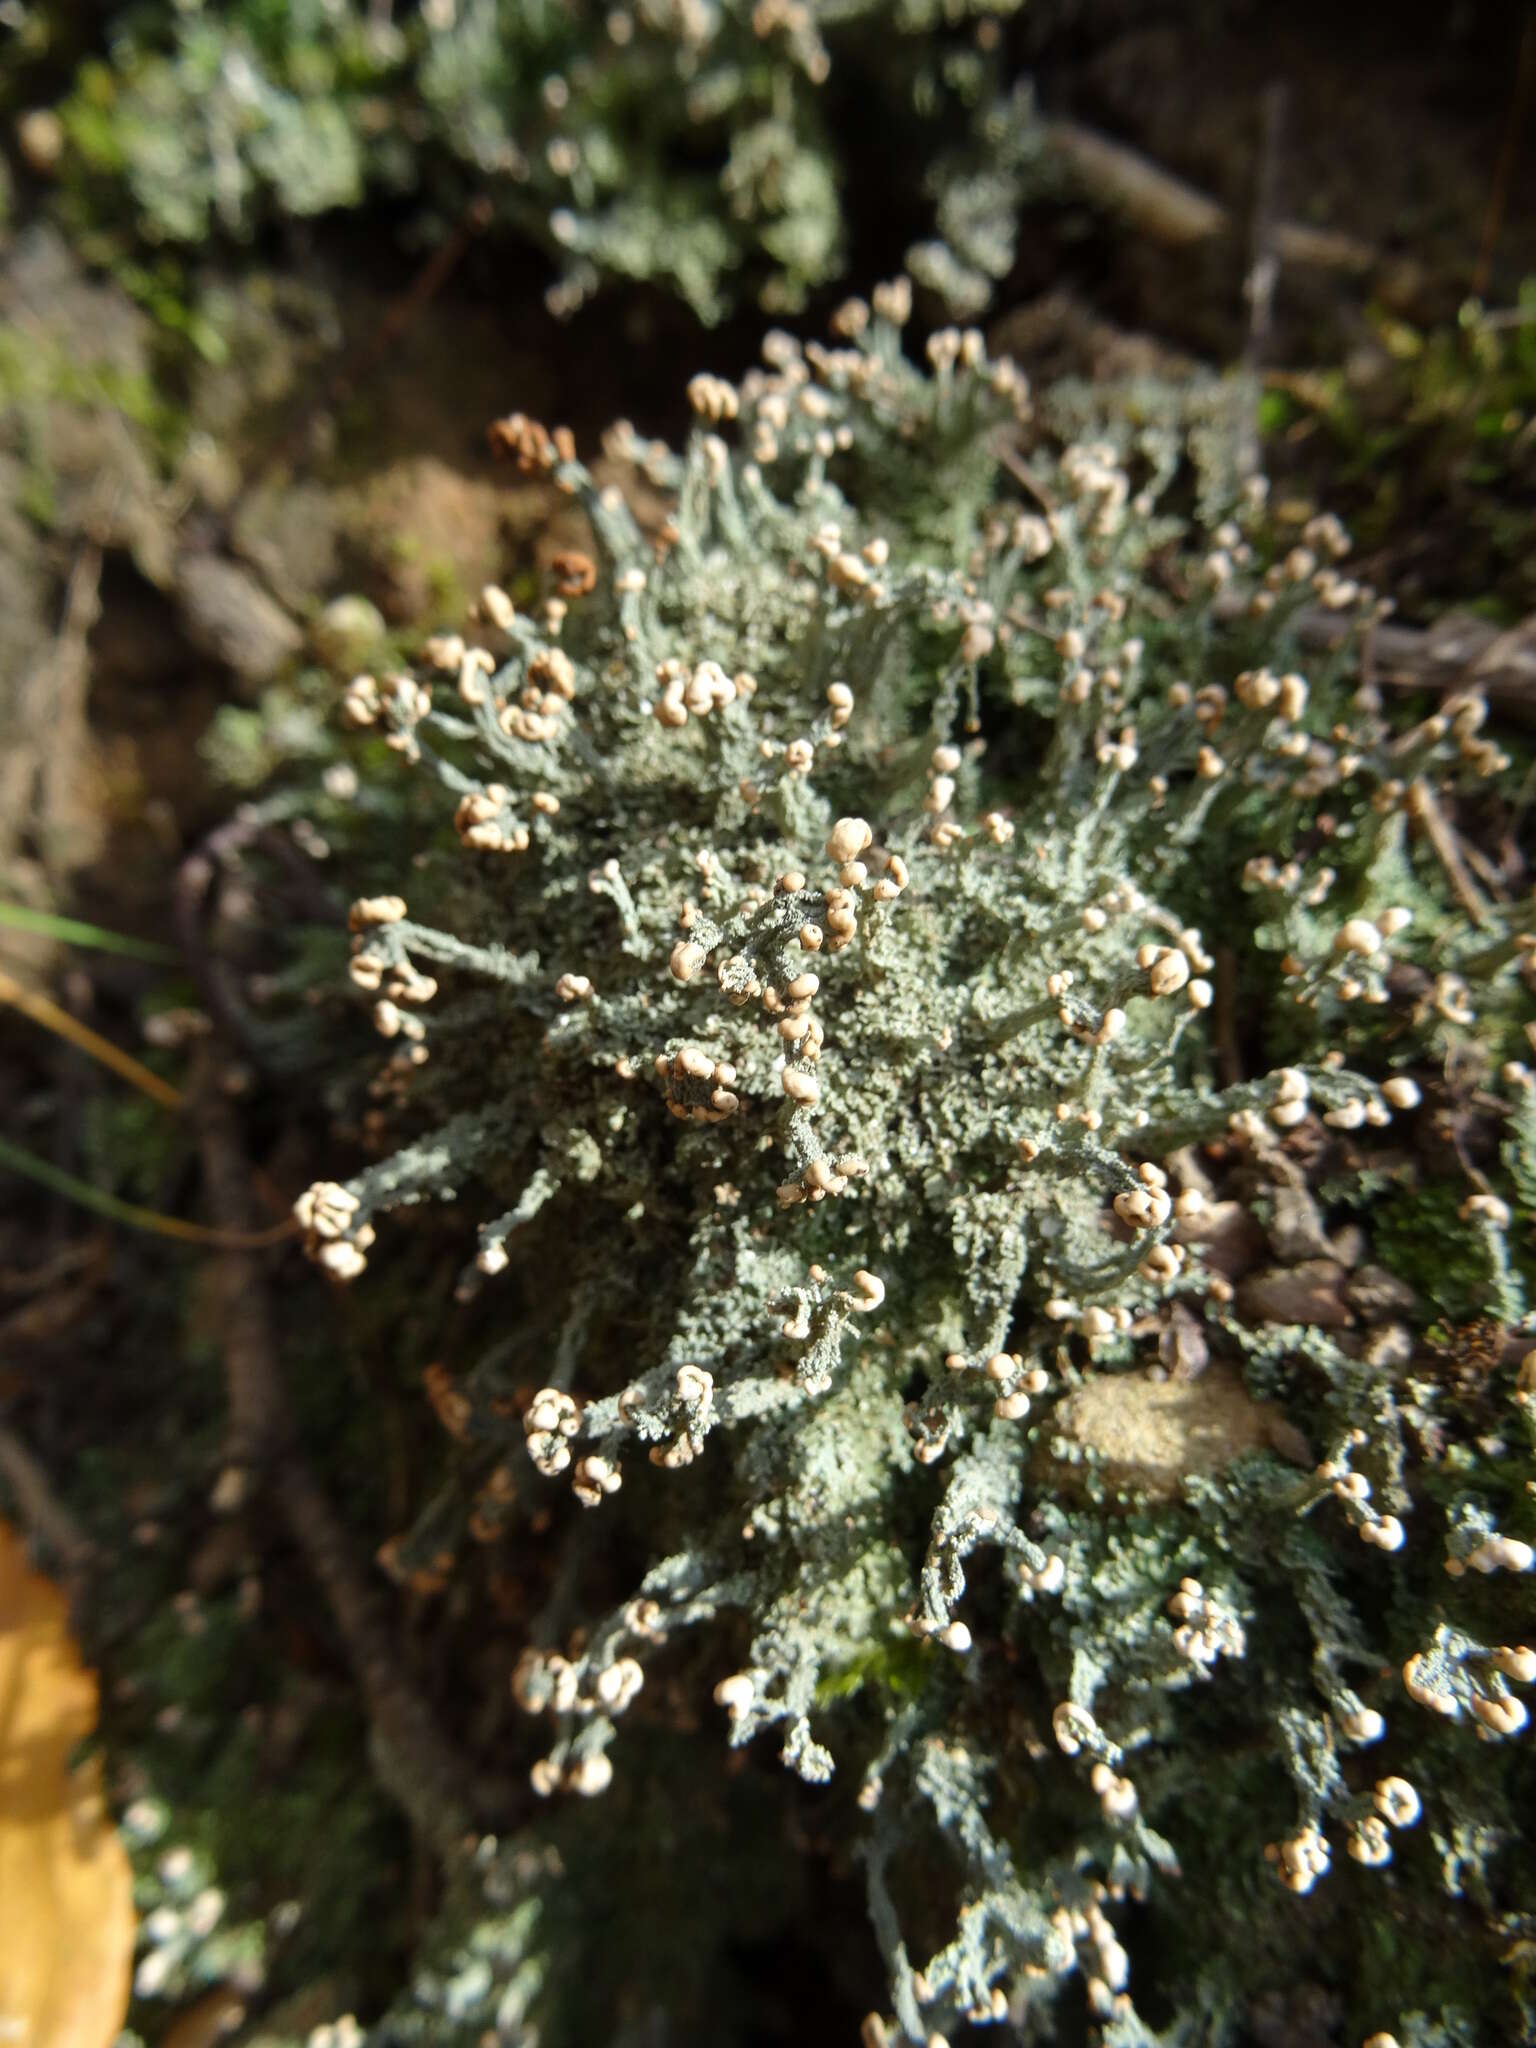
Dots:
pixel 1264 253
pixel 1263 277
pixel 191 901
pixel 1021 472
pixel 41 1509
pixel 65 1264
pixel 1422 805
pixel 415 1761
pixel 1166 209
pixel 1484 869
pixel 1457 650
pixel 1152 199
pixel 1504 317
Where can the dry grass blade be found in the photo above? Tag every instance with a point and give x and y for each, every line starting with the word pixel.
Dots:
pixel 42 1010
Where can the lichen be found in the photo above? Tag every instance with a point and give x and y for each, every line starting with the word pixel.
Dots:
pixel 816 1014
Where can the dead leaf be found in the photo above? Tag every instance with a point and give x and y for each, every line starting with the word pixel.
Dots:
pixel 67 1925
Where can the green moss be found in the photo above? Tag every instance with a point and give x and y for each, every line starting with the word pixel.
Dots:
pixel 35 368
pixel 1435 437
pixel 900 1668
pixel 1417 1233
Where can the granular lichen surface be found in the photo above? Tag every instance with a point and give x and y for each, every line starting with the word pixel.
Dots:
pixel 823 1018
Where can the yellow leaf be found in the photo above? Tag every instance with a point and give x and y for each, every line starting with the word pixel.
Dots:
pixel 66 1889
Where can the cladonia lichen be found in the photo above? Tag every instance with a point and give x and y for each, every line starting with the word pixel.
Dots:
pixel 831 1018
